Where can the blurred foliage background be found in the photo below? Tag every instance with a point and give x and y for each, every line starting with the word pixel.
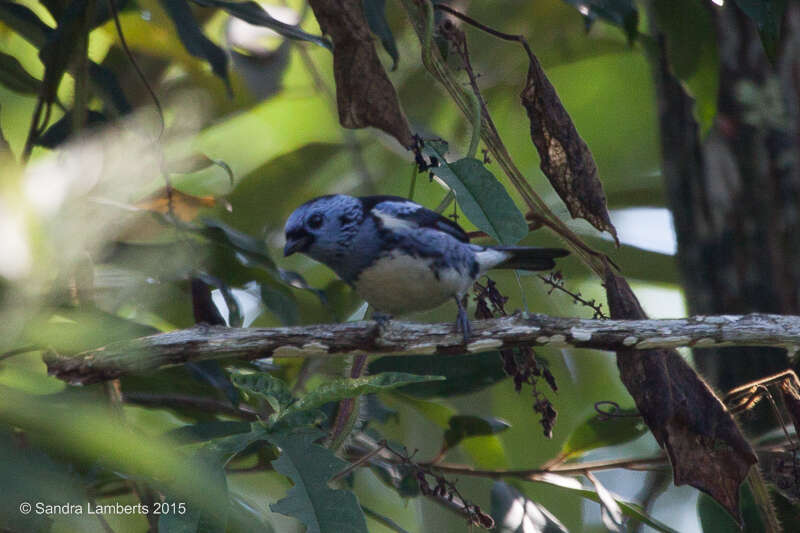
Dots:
pixel 90 253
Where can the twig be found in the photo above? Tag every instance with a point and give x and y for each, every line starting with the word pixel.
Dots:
pixel 644 463
pixel 404 338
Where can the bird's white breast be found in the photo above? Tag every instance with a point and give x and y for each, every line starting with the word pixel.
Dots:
pixel 399 283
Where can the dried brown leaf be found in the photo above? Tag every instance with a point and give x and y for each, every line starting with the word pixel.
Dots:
pixel 180 204
pixel 565 159
pixel 705 446
pixel 364 94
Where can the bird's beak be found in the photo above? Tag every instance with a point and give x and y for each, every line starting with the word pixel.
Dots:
pixel 296 244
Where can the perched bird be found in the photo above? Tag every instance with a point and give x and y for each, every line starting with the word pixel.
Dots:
pixel 398 255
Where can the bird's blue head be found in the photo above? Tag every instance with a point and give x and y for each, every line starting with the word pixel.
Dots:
pixel 323 228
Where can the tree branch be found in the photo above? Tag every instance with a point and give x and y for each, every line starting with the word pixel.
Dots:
pixel 403 338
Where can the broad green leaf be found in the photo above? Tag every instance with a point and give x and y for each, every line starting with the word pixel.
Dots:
pixel 263 385
pixel 25 22
pixel 610 511
pixel 472 372
pixel 340 389
pixel 384 520
pixel 464 426
pixel 253 200
pixel 715 519
pixel 192 37
pixel 106 84
pixel 437 413
pixel 60 131
pixel 73 331
pixel 14 76
pixel 768 15
pixel 246 517
pixel 631 510
pixel 59 46
pixel 85 434
pixel 310 467
pixel 513 512
pixel 692 51
pixel 214 455
pixel 599 431
pixel 207 430
pixel 255 14
pixel 38 477
pixel 375 13
pixel 253 251
pixel 279 300
pixel 29 26
pixel 5 149
pixel 621 13
pixel 484 200
pixel 211 372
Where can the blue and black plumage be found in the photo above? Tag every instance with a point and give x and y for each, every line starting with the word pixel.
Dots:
pixel 398 255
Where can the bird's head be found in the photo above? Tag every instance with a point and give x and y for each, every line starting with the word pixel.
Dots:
pixel 323 228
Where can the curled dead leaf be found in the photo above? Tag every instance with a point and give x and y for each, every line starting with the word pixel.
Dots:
pixel 565 158
pixel 705 446
pixel 364 94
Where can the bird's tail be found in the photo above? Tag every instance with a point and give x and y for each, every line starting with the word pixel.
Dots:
pixel 529 258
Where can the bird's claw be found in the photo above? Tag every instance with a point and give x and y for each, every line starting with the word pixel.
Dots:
pixel 463 324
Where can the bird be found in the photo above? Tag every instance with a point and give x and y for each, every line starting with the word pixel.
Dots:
pixel 400 256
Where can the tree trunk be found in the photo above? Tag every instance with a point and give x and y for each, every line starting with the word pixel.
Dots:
pixel 735 194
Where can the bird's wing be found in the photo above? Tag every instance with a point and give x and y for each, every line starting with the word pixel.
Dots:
pixel 397 212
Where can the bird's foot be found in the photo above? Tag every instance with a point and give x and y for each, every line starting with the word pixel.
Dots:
pixel 462 322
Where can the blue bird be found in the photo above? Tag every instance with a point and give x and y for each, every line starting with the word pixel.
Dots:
pixel 398 255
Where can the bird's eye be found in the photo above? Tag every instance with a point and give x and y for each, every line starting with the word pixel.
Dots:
pixel 315 221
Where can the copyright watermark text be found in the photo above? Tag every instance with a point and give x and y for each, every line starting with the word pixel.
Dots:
pixel 49 509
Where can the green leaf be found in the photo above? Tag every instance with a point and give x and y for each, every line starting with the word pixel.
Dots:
pixel 253 251
pixel 191 35
pixel 471 374
pixel 60 131
pixel 207 430
pixel 715 519
pixel 211 372
pixel 28 25
pixel 692 51
pixel 245 516
pixel 341 389
pixel 631 510
pixel 265 386
pixel 5 149
pixel 213 456
pixel 107 86
pixel 464 426
pixel 310 467
pixel 383 520
pixel 375 13
pixel 25 22
pixel 513 512
pixel 767 14
pixel 60 45
pixel 279 300
pixel 599 431
pixel 621 13
pixel 14 76
pixel 255 14
pixel 484 200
